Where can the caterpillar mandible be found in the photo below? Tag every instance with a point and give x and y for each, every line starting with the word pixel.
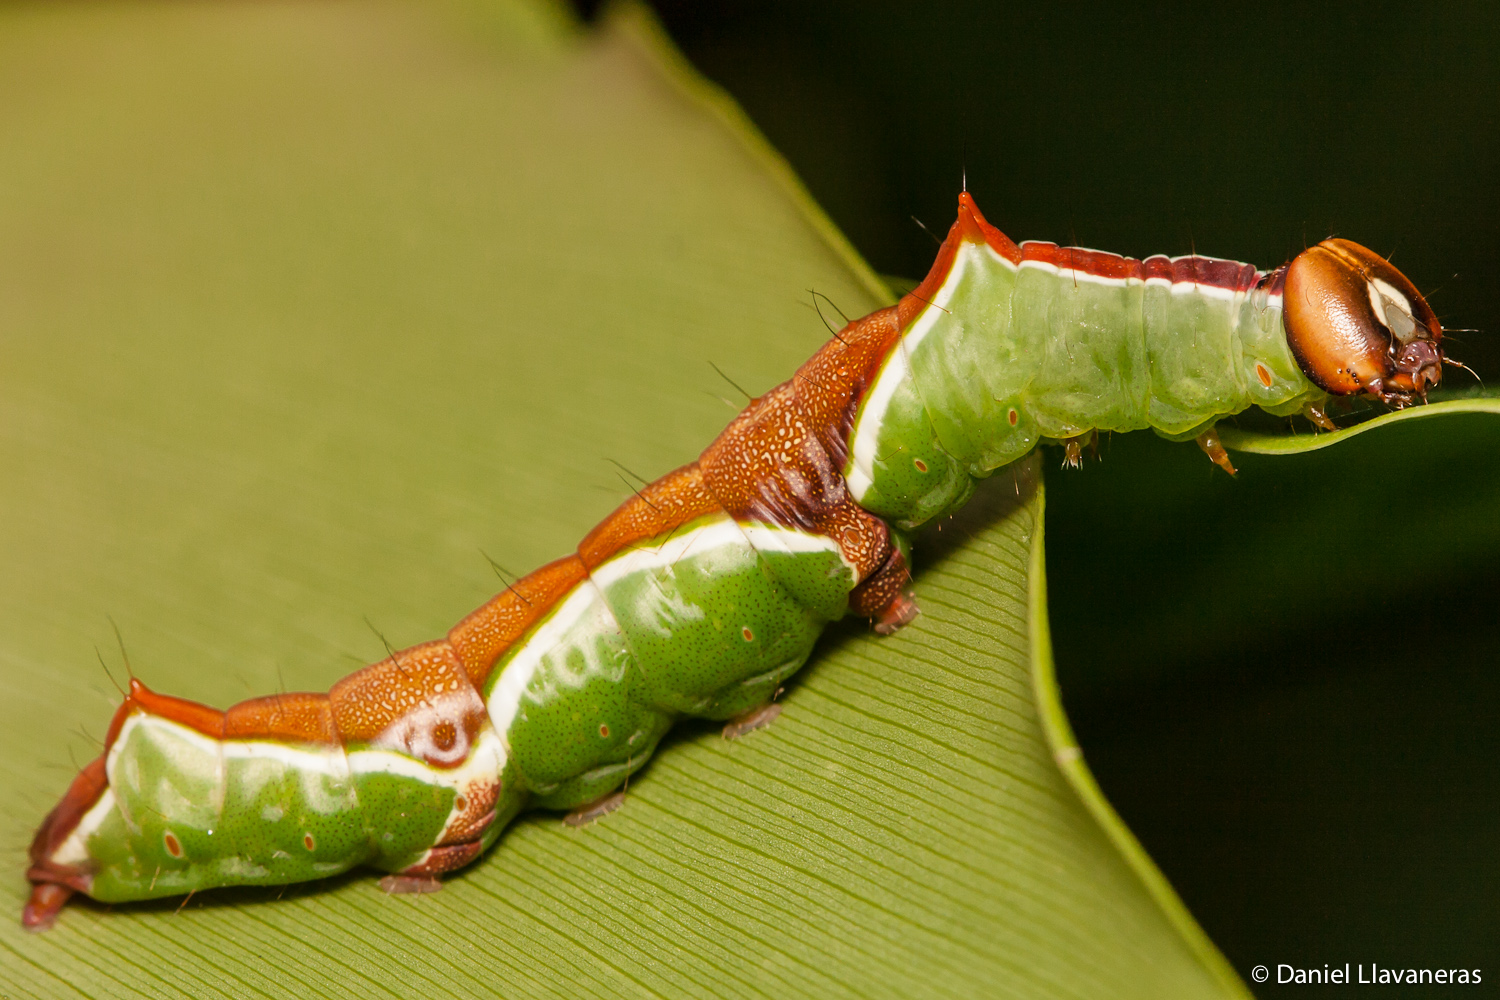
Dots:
pixel 703 593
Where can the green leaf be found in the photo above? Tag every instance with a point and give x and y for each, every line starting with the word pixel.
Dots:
pixel 308 308
pixel 1262 443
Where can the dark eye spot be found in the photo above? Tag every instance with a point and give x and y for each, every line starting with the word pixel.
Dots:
pixel 444 736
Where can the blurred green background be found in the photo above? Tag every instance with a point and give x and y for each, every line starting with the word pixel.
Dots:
pixel 1285 683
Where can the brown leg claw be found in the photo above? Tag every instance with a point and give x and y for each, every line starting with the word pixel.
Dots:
pixel 1073 449
pixel 591 811
pixel 757 718
pixel 400 885
pixel 1316 413
pixel 1072 454
pixel 1214 449
pixel 898 614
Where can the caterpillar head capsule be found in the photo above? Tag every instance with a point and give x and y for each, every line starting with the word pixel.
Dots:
pixel 1356 324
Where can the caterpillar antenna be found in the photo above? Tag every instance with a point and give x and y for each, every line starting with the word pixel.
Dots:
pixel 1460 364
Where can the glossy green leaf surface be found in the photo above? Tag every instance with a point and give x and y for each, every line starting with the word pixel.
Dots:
pixel 1261 443
pixel 305 310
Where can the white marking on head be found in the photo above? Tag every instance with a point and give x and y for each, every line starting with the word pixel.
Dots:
pixel 1392 309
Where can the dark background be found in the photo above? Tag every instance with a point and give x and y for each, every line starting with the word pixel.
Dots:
pixel 1286 682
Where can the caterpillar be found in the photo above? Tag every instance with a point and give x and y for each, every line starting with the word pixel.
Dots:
pixel 705 591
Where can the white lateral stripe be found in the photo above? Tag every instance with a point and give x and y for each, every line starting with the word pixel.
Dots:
pixel 1074 274
pixel 290 755
pixel 770 538
pixel 267 750
pixel 505 698
pixel 937 308
pixel 867 434
pixel 766 536
pixel 1207 291
pixel 1176 287
pixel 720 533
pixel 486 759
pixel 388 762
pixel 897 367
pixel 74 850
pixel 1001 259
pixel 294 758
pixel 716 534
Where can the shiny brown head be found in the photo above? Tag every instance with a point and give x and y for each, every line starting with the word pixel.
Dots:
pixel 1356 324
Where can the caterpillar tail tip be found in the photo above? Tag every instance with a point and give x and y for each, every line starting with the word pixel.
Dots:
pixel 46 902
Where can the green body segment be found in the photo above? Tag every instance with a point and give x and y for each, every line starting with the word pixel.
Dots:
pixel 184 811
pixel 701 623
pixel 402 809
pixel 189 812
pixel 1005 355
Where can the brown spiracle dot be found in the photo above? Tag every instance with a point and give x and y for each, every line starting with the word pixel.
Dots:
pixel 460 803
pixel 308 842
pixel 444 735
pixel 603 731
pixel 921 465
pixel 173 845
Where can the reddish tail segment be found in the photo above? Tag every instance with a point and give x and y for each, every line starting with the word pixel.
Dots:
pixel 703 593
